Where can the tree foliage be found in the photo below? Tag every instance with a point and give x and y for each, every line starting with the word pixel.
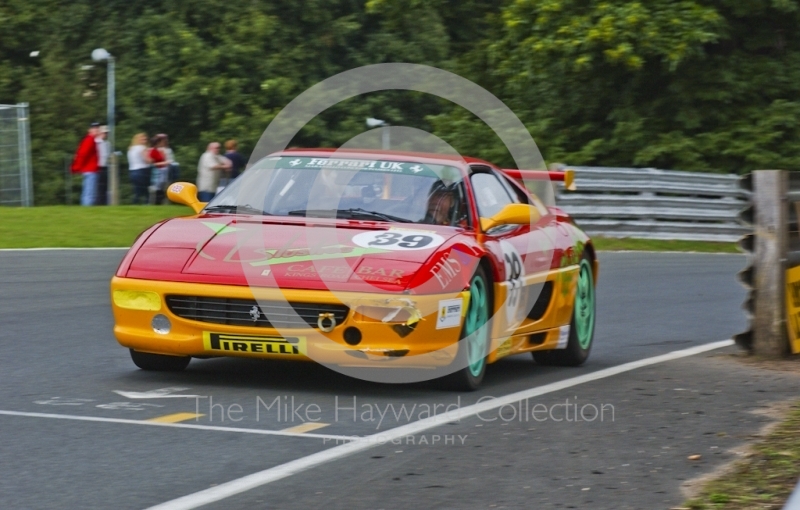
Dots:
pixel 706 85
pixel 696 84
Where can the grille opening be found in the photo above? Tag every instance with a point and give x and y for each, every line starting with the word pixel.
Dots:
pixel 542 300
pixel 537 338
pixel 249 312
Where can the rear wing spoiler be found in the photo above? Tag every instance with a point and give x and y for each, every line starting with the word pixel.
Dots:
pixel 565 176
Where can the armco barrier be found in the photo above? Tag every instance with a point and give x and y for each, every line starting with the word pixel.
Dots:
pixel 772 274
pixel 647 203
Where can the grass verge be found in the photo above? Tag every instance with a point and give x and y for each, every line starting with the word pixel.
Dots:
pixel 79 227
pixel 83 227
pixel 765 479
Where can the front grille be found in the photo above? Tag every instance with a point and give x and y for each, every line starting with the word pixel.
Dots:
pixel 237 312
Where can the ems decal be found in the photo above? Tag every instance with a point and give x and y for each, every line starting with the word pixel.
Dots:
pixel 446 269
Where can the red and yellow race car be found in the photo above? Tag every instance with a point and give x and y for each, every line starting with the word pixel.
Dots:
pixel 361 259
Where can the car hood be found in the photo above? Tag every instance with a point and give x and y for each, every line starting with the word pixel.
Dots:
pixel 289 253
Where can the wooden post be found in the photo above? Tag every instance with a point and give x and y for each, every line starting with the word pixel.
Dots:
pixel 769 191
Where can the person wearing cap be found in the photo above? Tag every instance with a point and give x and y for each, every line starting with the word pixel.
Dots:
pixel 85 163
pixel 103 151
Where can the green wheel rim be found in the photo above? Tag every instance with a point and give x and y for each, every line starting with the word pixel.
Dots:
pixel 584 306
pixel 476 334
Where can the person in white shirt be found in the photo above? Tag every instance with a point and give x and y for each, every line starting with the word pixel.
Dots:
pixel 208 172
pixel 103 151
pixel 174 169
pixel 139 167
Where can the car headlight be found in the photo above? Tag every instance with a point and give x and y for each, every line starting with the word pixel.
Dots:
pixel 137 300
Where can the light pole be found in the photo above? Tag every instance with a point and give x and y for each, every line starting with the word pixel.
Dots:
pixel 101 55
pixel 373 123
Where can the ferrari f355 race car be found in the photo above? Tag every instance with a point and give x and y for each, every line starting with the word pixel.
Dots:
pixel 362 259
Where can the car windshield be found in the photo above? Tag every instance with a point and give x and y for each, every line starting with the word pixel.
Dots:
pixel 360 189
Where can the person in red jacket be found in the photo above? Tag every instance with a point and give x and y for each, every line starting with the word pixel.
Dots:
pixel 85 163
pixel 160 164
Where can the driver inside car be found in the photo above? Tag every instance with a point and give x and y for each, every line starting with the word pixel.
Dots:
pixel 441 207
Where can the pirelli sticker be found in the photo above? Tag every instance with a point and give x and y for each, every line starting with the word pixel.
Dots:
pixel 225 342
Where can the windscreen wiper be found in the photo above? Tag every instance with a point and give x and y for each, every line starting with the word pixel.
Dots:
pixel 236 209
pixel 352 213
pixel 357 211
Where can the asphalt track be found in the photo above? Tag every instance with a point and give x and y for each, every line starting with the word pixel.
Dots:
pixel 60 358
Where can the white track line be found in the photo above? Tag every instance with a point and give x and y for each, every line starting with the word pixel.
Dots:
pixel 63 249
pixel 794 499
pixel 260 478
pixel 178 425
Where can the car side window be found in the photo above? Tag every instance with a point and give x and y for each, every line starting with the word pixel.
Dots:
pixel 514 191
pixel 490 194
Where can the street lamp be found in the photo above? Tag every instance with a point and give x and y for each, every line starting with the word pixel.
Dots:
pixel 101 55
pixel 373 123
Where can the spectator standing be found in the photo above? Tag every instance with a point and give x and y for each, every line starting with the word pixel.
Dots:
pixel 208 170
pixel 238 162
pixel 160 167
pixel 139 167
pixel 85 163
pixel 174 169
pixel 103 151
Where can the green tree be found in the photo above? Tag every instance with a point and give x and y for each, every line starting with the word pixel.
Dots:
pixel 700 85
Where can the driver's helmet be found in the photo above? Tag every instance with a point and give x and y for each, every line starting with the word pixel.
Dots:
pixel 442 202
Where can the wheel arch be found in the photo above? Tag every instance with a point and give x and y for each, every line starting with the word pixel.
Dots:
pixel 592 254
pixel 486 264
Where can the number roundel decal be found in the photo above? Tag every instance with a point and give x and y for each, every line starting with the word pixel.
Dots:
pixel 515 275
pixel 398 240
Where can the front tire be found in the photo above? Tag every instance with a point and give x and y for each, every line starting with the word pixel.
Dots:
pixel 474 339
pixel 581 327
pixel 159 362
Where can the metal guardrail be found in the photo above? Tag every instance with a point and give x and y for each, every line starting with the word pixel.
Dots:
pixel 647 203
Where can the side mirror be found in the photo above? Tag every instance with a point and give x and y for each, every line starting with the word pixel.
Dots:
pixel 512 214
pixel 185 193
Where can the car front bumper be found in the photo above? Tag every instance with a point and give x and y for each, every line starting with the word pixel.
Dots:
pixel 399 341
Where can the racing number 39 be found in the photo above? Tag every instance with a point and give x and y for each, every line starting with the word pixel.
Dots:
pixel 398 240
pixel 408 241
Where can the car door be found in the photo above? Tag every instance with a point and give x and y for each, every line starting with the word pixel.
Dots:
pixel 525 250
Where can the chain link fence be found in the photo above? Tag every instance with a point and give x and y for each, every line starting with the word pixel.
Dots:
pixel 16 179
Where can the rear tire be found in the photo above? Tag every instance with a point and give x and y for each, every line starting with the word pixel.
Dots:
pixel 159 362
pixel 581 327
pixel 474 344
